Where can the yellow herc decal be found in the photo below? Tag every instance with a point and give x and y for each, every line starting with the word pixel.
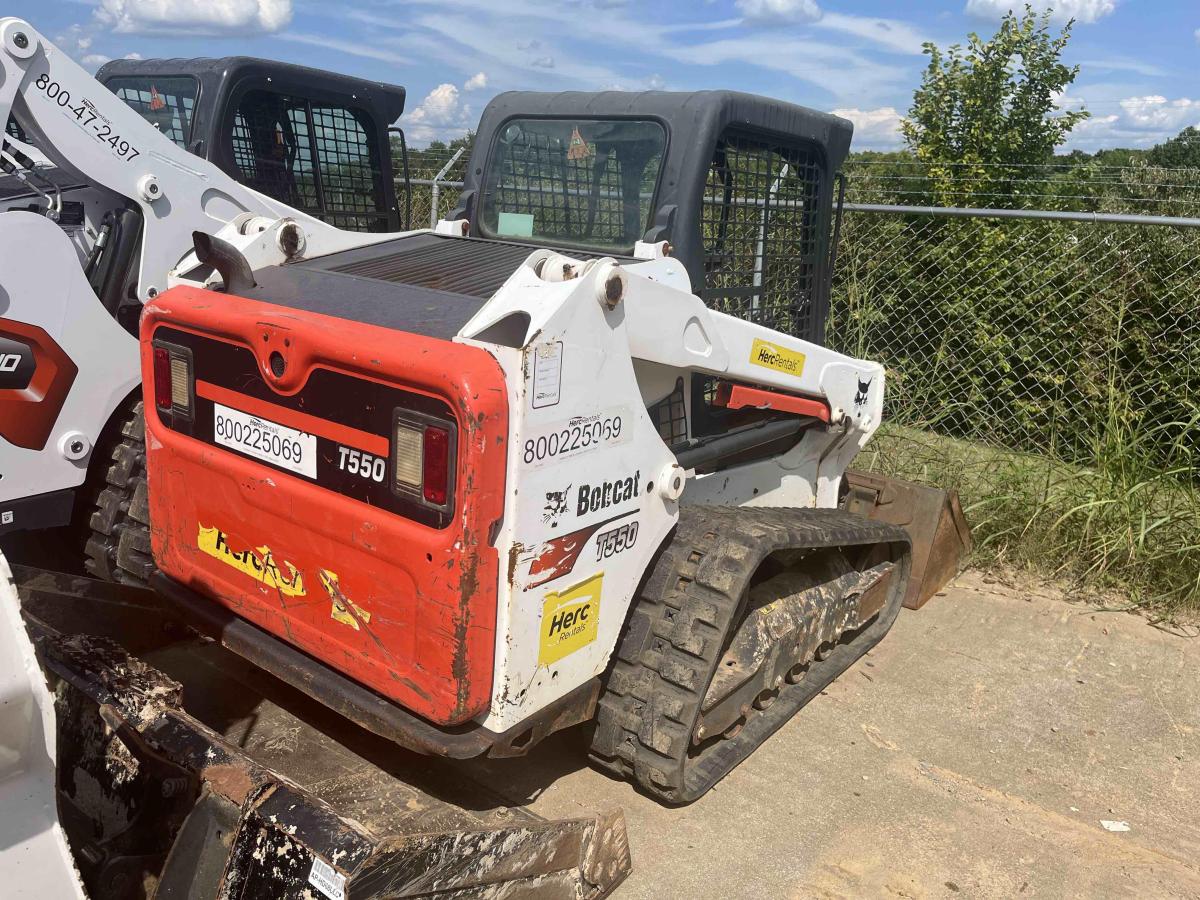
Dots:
pixel 569 620
pixel 342 609
pixel 772 356
pixel 258 564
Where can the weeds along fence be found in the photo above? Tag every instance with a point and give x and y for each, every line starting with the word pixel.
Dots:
pixel 1027 333
pixel 1043 358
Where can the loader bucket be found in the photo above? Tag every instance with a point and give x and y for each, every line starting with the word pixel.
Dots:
pixel 184 771
pixel 933 518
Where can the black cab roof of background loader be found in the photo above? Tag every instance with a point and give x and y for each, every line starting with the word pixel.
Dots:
pixel 728 157
pixel 219 80
pixel 207 107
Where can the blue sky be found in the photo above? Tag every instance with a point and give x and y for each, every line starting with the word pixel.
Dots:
pixel 1140 76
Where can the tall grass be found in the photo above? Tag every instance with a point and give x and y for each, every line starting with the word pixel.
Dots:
pixel 1129 522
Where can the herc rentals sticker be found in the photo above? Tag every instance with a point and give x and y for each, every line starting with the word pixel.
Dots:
pixel 772 356
pixel 569 620
pixel 259 564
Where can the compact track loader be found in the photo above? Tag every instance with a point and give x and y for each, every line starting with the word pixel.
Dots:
pixel 140 759
pixel 574 457
pixel 474 486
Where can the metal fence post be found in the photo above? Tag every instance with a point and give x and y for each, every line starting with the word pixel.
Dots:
pixel 437 187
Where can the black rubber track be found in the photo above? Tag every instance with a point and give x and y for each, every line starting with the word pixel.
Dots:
pixel 681 623
pixel 118 548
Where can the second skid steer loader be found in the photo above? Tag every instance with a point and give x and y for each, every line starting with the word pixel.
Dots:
pixel 304 141
pixel 573 458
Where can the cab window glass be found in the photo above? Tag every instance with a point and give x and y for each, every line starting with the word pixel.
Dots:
pixel 319 158
pixel 585 182
pixel 166 103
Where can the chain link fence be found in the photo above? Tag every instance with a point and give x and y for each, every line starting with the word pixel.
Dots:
pixel 1042 358
pixel 436 176
pixel 1036 328
pixel 1035 335
pixel 1040 327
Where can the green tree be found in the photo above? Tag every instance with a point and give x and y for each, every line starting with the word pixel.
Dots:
pixel 1180 152
pixel 984 111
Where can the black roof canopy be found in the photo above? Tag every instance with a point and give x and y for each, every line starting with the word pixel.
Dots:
pixel 695 117
pixel 223 80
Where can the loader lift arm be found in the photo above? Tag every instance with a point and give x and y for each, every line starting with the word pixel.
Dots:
pixel 98 224
pixel 84 129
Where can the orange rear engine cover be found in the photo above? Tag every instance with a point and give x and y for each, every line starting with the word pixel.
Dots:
pixel 271 489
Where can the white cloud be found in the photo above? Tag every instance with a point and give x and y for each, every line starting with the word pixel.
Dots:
pixel 501 44
pixel 94 60
pixel 438 105
pixel 874 129
pixel 506 44
pixel 353 48
pixel 76 41
pixel 1138 122
pixel 195 17
pixel 1113 63
pixel 1159 113
pixel 442 114
pixel 542 62
pixel 1083 11
pixel 773 11
pixel 476 82
pixel 852 78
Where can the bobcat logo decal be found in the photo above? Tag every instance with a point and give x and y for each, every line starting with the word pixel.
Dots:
pixel 556 505
pixel 860 398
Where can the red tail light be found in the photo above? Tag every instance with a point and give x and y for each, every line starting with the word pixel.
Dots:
pixel 423 458
pixel 162 378
pixel 435 483
pixel 173 379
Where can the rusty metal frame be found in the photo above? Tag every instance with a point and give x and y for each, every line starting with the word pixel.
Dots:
pixel 933 518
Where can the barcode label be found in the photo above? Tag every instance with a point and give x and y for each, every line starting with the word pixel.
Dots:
pixel 328 880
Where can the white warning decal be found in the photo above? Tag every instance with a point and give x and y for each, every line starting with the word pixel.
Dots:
pixel 328 880
pixel 547 374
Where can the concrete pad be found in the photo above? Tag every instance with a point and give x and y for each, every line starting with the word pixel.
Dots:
pixel 975 752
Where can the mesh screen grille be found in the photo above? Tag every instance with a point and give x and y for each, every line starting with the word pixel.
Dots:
pixel 166 103
pixel 670 416
pixel 762 229
pixel 542 181
pixel 578 191
pixel 320 159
